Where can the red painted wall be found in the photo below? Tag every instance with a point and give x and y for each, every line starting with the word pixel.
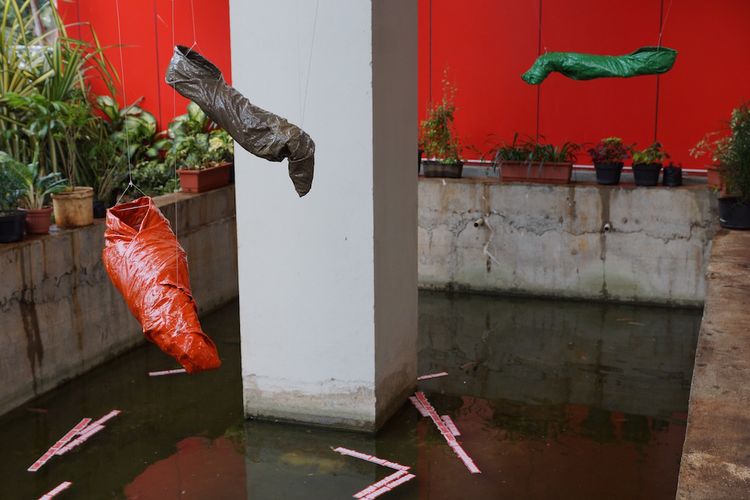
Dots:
pixel 487 44
pixel 147 33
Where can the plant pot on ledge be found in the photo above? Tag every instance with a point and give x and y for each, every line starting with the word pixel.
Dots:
pixel 204 179
pixel 538 172
pixel 435 168
pixel 734 213
pixel 74 207
pixel 12 226
pixel 608 174
pixel 38 220
pixel 646 174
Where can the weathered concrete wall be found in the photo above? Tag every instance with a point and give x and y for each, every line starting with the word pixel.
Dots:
pixel 60 314
pixel 716 456
pixel 550 240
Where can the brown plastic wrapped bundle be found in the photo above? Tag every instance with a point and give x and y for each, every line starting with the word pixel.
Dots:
pixel 148 266
pixel 260 132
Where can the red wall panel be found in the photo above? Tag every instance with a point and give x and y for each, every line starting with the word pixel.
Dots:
pixel 712 74
pixel 586 111
pixel 147 43
pixel 487 45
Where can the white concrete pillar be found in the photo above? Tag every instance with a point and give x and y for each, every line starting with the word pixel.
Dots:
pixel 328 282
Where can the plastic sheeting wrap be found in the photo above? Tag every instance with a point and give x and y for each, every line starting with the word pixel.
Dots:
pixel 260 132
pixel 148 266
pixel 644 61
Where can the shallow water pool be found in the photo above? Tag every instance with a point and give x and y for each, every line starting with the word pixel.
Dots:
pixel 554 399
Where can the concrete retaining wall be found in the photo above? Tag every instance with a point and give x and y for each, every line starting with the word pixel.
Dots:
pixel 60 314
pixel 548 240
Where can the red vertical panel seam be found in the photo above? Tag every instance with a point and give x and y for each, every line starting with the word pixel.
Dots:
pixel 158 65
pixel 539 86
pixel 658 78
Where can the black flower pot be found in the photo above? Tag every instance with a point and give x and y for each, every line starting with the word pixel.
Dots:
pixel 734 213
pixel 646 174
pixel 608 174
pixel 432 168
pixel 100 209
pixel 12 226
pixel 672 176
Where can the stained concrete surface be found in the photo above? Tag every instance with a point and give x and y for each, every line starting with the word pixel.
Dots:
pixel 582 240
pixel 716 455
pixel 61 315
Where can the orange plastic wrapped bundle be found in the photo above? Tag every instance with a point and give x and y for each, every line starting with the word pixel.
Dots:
pixel 148 266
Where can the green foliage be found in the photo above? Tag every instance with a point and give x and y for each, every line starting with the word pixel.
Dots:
pixel 36 187
pixel 45 113
pixel 437 136
pixel 11 188
pixel 734 156
pixel 535 152
pixel 196 143
pixel 154 178
pixel 652 154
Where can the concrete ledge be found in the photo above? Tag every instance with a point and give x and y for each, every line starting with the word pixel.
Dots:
pixel 61 315
pixel 550 240
pixel 716 456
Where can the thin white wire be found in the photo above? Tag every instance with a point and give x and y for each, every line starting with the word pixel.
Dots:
pixel 125 99
pixel 664 22
pixel 309 61
pixel 176 176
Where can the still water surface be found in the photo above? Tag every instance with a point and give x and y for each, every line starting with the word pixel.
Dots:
pixel 554 399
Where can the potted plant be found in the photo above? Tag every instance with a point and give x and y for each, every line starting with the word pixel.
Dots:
pixel 12 220
pixel 647 165
pixel 532 161
pixel 609 156
pixel 438 141
pixel 201 153
pixel 713 144
pixel 36 188
pixel 733 154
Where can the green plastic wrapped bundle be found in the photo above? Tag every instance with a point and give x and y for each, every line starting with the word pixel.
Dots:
pixel 644 61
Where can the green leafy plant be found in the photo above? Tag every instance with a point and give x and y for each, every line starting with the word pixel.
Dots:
pixel 36 187
pixel 731 152
pixel 196 143
pixel 437 135
pixel 11 188
pixel 532 151
pixel 650 155
pixel 154 178
pixel 610 150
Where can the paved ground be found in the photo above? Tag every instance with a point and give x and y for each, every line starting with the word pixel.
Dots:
pixel 716 456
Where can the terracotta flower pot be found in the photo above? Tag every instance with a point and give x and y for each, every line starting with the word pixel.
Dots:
pixel 74 207
pixel 38 220
pixel 544 173
pixel 206 179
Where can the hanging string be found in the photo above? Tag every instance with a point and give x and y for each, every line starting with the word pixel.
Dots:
pixel 195 36
pixel 176 175
pixel 663 22
pixel 125 101
pixel 309 62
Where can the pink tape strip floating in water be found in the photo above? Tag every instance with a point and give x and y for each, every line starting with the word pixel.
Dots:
pixel 79 427
pixel 418 406
pixel 390 486
pixel 447 434
pixel 57 489
pixel 450 425
pixel 370 458
pixel 167 372
pixel 90 431
pixel 432 375
pixel 376 486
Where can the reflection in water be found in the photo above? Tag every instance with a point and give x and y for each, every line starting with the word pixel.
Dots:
pixel 554 400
